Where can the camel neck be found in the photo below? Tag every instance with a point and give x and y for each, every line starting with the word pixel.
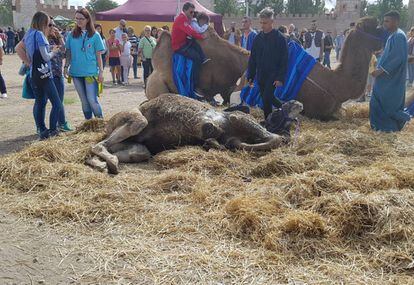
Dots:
pixel 353 69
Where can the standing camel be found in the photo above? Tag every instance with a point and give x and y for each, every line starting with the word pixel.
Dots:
pixel 322 94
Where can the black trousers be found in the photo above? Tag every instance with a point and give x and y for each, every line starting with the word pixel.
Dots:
pixel 3 89
pixel 193 51
pixel 267 90
pixel 147 65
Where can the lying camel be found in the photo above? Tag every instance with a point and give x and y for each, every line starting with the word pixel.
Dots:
pixel 322 94
pixel 170 121
pixel 218 76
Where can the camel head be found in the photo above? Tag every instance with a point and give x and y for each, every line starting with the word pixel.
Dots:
pixel 368 33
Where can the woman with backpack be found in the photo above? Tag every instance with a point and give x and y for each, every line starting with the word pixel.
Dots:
pixel 37 56
pixel 84 49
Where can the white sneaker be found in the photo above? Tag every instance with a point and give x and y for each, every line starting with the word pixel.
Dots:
pixel 4 95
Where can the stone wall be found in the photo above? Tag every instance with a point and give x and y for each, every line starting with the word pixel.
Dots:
pixel 325 22
pixel 23 11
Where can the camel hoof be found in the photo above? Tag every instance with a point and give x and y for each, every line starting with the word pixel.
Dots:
pixel 112 164
pixel 111 160
pixel 96 163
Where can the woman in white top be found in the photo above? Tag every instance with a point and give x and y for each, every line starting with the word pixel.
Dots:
pixel 125 57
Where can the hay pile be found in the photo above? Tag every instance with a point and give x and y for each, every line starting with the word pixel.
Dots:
pixel 336 208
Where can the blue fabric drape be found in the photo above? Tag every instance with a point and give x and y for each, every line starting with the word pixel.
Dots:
pixel 182 73
pixel 300 64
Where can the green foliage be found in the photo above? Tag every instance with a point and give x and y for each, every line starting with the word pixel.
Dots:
pixel 95 6
pixel 227 7
pixel 6 14
pixel 305 6
pixel 277 5
pixel 380 7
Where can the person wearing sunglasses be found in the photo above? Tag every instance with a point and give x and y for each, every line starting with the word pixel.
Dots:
pixel 181 30
pixel 84 63
pixel 43 87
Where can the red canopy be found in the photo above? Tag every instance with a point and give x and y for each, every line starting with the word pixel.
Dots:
pixel 155 11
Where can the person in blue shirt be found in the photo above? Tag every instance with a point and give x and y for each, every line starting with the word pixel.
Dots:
pixel 84 48
pixel 34 40
pixel 248 34
pixel 388 95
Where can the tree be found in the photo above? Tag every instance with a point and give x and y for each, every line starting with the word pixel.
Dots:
pixel 380 7
pixel 95 6
pixel 6 13
pixel 226 7
pixel 305 6
pixel 277 6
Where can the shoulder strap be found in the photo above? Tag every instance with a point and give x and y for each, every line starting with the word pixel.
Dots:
pixel 149 41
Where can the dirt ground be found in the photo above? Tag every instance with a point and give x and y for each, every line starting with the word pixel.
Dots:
pixel 30 252
pixel 17 124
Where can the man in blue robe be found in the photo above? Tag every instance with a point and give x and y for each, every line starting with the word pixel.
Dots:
pixel 387 102
pixel 248 34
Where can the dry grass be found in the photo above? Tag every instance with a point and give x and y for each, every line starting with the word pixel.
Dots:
pixel 336 208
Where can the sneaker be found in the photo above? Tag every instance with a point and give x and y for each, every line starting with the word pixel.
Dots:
pixel 53 133
pixel 4 95
pixel 206 60
pixel 66 127
pixel 43 135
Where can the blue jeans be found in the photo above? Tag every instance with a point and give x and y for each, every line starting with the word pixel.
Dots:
pixel 60 87
pixel 42 94
pixel 338 52
pixel 10 47
pixel 135 65
pixel 410 73
pixel 88 94
pixel 327 59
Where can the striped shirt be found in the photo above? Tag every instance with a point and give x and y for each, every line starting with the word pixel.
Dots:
pixel 134 40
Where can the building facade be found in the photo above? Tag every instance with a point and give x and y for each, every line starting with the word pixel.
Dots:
pixel 23 10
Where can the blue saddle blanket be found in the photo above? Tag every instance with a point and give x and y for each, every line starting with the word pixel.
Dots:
pixel 183 75
pixel 300 64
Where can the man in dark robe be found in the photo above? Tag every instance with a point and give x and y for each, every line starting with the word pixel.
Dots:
pixel 268 61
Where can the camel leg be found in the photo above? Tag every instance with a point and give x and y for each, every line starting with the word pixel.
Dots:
pixel 127 152
pixel 119 135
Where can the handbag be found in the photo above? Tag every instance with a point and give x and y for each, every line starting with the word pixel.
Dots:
pixel 27 91
pixel 40 68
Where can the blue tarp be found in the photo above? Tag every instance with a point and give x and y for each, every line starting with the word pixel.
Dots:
pixel 182 72
pixel 300 63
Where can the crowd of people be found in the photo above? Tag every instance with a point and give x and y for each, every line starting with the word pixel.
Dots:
pixel 50 55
